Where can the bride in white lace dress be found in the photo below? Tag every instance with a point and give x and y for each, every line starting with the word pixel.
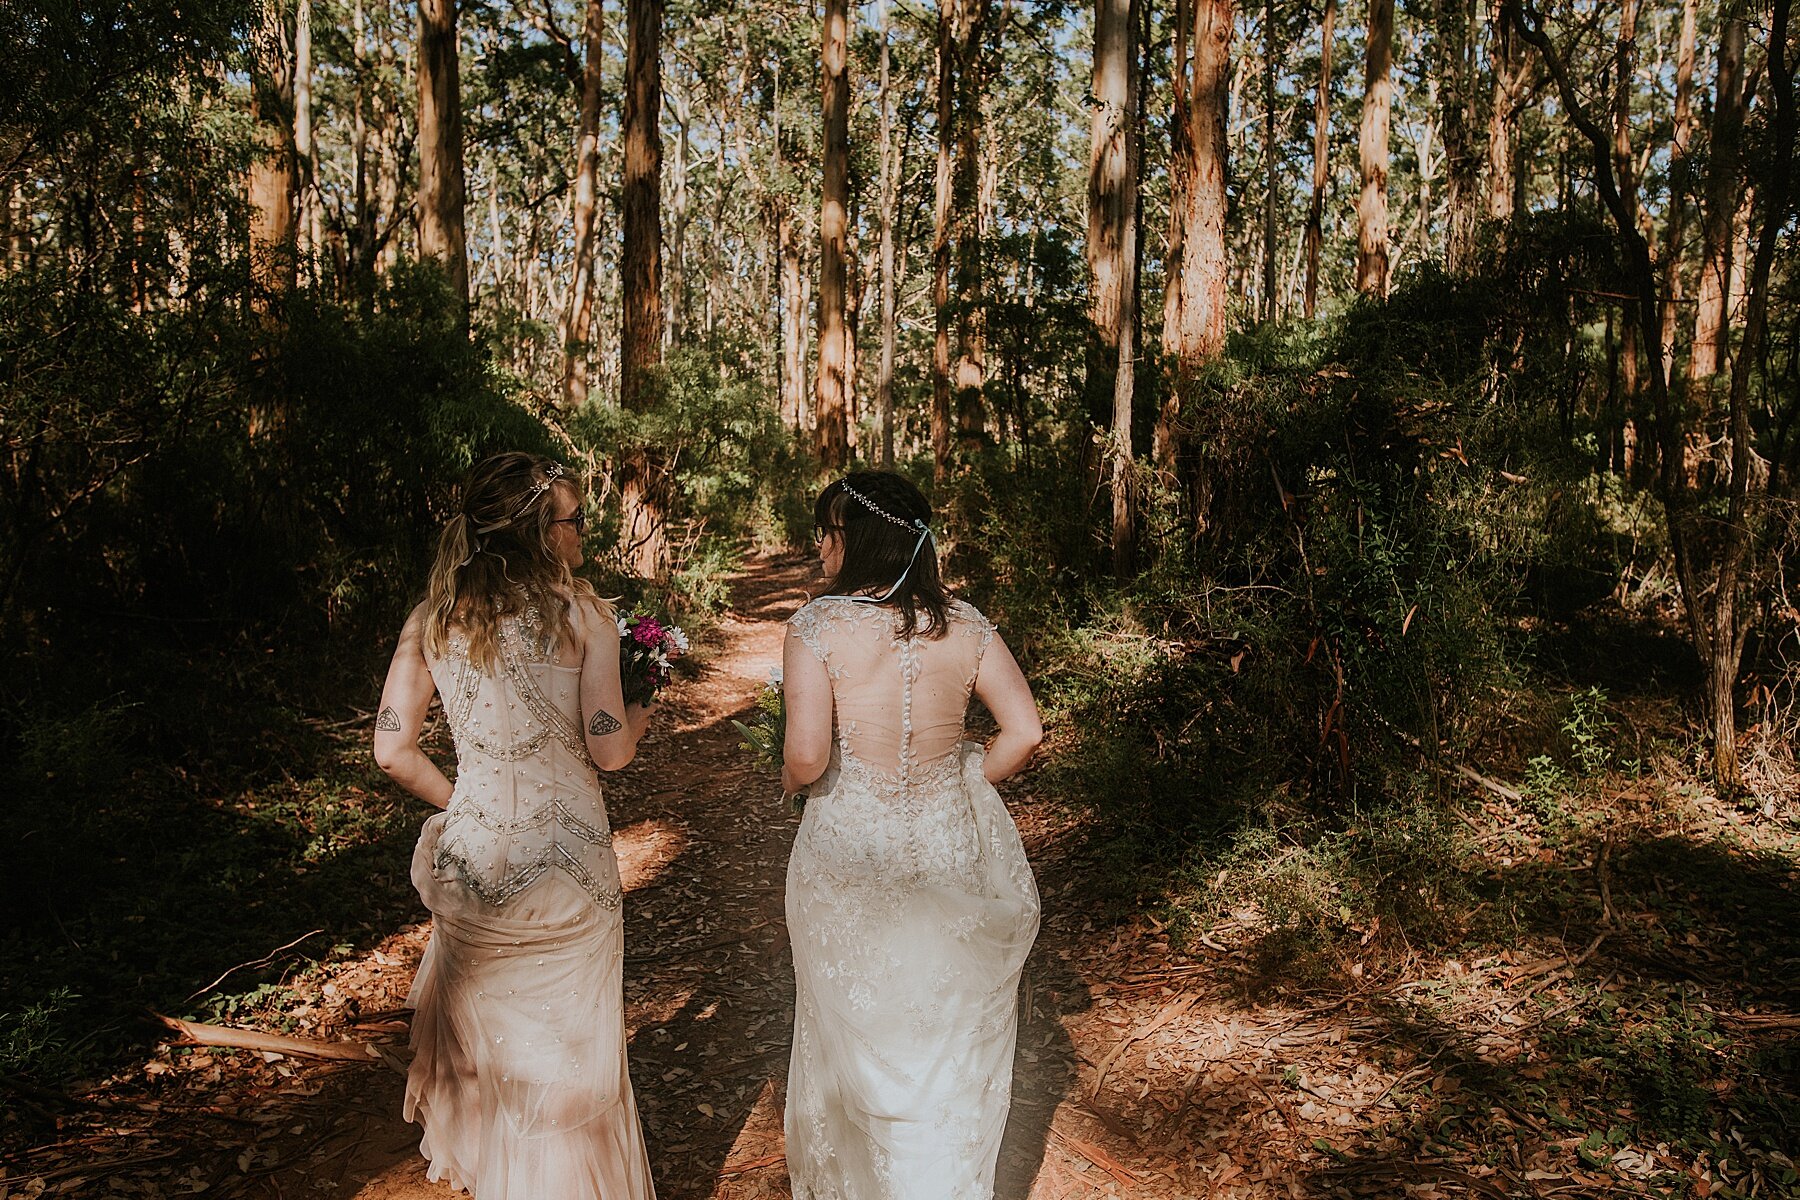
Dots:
pixel 910 904
pixel 518 1073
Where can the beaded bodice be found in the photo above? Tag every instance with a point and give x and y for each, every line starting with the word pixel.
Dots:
pixel 527 797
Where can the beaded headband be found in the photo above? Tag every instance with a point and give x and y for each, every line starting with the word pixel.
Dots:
pixel 552 473
pixel 910 526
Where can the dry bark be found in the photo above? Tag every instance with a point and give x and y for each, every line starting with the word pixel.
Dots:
pixel 1712 332
pixel 442 190
pixel 1194 305
pixel 832 401
pixel 271 177
pixel 643 477
pixel 1321 166
pixel 577 323
pixel 1372 204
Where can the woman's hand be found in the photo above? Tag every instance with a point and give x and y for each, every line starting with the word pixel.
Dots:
pixel 404 699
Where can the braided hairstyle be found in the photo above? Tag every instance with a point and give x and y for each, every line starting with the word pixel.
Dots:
pixel 878 546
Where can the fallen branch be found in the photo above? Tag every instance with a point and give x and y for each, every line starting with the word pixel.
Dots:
pixel 753 1164
pixel 1098 1157
pixel 1510 794
pixel 196 1034
pixel 1169 1012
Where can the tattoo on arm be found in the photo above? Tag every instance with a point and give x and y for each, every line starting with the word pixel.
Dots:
pixel 603 724
pixel 387 720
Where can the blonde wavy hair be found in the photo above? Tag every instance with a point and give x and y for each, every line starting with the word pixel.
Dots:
pixel 495 558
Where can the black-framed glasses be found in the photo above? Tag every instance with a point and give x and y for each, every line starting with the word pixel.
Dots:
pixel 819 532
pixel 579 520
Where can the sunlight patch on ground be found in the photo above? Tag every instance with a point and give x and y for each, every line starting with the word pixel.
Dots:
pixel 645 848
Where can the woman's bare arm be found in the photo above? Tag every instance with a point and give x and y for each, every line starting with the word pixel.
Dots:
pixel 806 691
pixel 405 697
pixel 612 729
pixel 1002 687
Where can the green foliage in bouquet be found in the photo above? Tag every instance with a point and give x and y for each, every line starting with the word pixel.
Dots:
pixel 765 733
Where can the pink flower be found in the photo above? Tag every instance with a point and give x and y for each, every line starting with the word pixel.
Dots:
pixel 648 632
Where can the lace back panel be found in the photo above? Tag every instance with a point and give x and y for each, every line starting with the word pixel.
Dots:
pixel 899 702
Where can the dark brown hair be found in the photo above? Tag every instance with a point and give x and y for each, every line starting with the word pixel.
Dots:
pixel 878 550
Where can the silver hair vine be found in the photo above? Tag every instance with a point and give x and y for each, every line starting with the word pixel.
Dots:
pixel 912 526
pixel 552 473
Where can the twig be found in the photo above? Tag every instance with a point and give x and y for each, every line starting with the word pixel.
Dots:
pixel 264 961
pixel 1169 1012
pixel 100 1170
pixel 1607 912
pixel 1098 1157
pixel 30 1091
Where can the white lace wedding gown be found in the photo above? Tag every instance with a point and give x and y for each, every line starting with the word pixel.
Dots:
pixel 911 909
pixel 519 1036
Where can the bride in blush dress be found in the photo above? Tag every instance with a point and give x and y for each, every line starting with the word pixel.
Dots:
pixel 518 1075
pixel 910 904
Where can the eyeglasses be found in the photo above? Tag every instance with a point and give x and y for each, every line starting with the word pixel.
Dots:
pixel 820 532
pixel 579 520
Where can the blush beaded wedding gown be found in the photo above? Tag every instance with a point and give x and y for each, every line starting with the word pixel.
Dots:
pixel 518 1074
pixel 911 908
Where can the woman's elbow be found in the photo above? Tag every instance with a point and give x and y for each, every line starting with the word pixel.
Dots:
pixel 806 767
pixel 614 759
pixel 389 755
pixel 1030 735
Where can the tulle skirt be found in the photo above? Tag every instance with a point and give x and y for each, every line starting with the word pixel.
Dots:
pixel 519 1075
pixel 906 1015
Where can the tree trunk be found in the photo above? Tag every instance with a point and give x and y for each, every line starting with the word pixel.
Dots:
pixel 831 405
pixel 305 153
pixel 890 168
pixel 793 323
pixel 1271 177
pixel 1462 160
pixel 362 254
pixel 1680 180
pixel 1109 179
pixel 643 484
pixel 1122 143
pixel 1509 77
pixel 271 182
pixel 442 190
pixel 949 18
pixel 1712 330
pixel 1372 205
pixel 577 323
pixel 1624 170
pixel 1195 306
pixel 1747 489
pixel 681 101
pixel 968 206
pixel 1321 171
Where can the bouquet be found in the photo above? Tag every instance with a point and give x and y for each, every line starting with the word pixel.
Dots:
pixel 766 732
pixel 647 648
